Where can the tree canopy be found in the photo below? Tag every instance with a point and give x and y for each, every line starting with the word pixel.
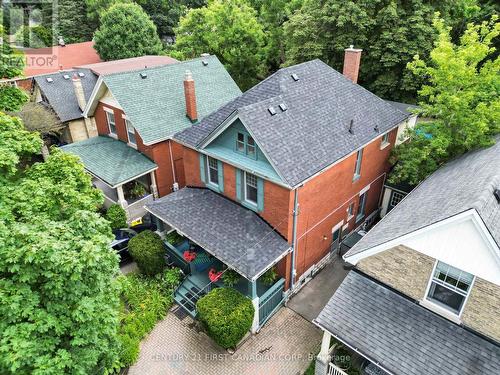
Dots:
pixel 115 40
pixel 462 98
pixel 59 301
pixel 73 23
pixel 228 29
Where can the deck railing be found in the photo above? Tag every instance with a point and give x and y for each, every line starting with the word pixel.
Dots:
pixel 136 210
pixel 270 301
pixel 334 370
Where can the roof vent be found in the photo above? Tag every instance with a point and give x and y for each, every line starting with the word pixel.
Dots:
pixel 49 80
pixel 204 62
pixel 143 75
pixel 81 74
pixel 66 76
pixel 351 130
pixel 205 55
pixel 283 107
pixel 496 193
pixel 295 77
pixel 376 128
pixel 272 111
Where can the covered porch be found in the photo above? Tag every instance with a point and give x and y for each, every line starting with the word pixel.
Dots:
pixel 213 236
pixel 124 175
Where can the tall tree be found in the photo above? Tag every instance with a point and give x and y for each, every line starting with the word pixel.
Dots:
pixel 73 23
pixel 462 98
pixel 114 39
pixel 58 299
pixel 390 32
pixel 228 29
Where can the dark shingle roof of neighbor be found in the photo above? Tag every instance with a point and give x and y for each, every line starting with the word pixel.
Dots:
pixel 407 108
pixel 111 160
pixel 61 93
pixel 313 132
pixel 403 337
pixel 465 183
pixel 156 105
pixel 235 235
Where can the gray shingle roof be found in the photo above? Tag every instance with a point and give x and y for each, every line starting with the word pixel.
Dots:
pixel 156 105
pixel 111 160
pixel 467 182
pixel 61 93
pixel 313 132
pixel 235 235
pixel 402 336
pixel 404 107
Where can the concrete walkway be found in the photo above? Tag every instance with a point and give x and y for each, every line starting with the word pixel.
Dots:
pixel 285 345
pixel 311 299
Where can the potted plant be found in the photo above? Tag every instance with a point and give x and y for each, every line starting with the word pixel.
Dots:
pixel 138 190
pixel 230 278
pixel 269 277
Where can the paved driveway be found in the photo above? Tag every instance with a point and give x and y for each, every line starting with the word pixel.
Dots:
pixel 285 345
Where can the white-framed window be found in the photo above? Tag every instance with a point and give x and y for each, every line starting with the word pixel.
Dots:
pixel 250 146
pixel 350 211
pixel 361 206
pixel 245 144
pixel 396 197
pixel 250 188
pixel 110 116
pixel 213 170
pixel 449 287
pixel 240 143
pixel 357 167
pixel 385 140
pixel 130 132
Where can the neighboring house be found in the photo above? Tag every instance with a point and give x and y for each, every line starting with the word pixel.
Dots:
pixel 68 91
pixel 136 113
pixel 425 292
pixel 304 155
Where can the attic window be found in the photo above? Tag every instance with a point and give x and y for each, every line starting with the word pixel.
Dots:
pixel 272 111
pixel 283 107
pixel 295 77
pixel 204 62
pixel 49 80
pixel 66 76
pixel 143 75
pixel 80 74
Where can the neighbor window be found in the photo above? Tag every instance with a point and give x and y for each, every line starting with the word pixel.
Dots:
pixel 111 122
pixel 385 140
pixel 245 144
pixel 130 132
pixel 213 170
pixel 250 188
pixel 357 168
pixel 350 211
pixel 449 287
pixel 396 197
pixel 361 207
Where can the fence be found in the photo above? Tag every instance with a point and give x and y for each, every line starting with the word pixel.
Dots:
pixel 334 370
pixel 270 301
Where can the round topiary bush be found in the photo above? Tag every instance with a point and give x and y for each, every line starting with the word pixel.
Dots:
pixel 116 216
pixel 226 314
pixel 148 252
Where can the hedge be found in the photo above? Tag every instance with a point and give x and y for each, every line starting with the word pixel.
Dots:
pixel 226 314
pixel 148 251
pixel 116 216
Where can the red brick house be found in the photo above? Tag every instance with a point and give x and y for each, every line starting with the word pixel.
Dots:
pixel 301 159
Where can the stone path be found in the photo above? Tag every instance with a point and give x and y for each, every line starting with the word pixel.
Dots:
pixel 285 345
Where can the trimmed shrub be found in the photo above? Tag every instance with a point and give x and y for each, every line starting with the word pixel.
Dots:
pixel 116 216
pixel 269 277
pixel 148 251
pixel 226 314
pixel 231 278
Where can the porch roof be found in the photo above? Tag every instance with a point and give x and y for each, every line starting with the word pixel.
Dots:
pixel 233 234
pixel 111 160
pixel 401 336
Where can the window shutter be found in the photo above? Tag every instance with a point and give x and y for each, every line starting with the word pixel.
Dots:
pixel 220 172
pixel 260 194
pixel 203 174
pixel 238 184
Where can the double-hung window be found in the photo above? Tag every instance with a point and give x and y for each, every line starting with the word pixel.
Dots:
pixel 449 287
pixel 361 207
pixel 385 140
pixel 130 132
pixel 111 122
pixel 213 171
pixel 350 211
pixel 245 144
pixel 250 147
pixel 250 188
pixel 357 168
pixel 240 143
pixel 396 197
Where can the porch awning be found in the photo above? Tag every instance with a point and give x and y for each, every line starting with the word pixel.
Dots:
pixel 233 234
pixel 400 336
pixel 111 160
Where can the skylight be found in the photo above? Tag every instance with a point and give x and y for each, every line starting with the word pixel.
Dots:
pixel 272 111
pixel 66 76
pixel 283 107
pixel 49 80
pixel 81 74
pixel 295 77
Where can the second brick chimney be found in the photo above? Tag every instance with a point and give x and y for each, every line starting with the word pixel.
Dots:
pixel 352 60
pixel 190 96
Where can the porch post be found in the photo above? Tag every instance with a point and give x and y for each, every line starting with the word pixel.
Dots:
pixel 323 359
pixel 252 291
pixel 154 188
pixel 121 197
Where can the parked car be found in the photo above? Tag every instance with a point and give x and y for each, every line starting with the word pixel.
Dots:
pixel 120 243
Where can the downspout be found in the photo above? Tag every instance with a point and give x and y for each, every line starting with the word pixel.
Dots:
pixel 172 161
pixel 294 235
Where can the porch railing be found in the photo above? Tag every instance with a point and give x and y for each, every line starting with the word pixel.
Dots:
pixel 270 301
pixel 334 370
pixel 136 210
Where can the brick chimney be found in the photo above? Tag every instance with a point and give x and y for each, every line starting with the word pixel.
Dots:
pixel 352 60
pixel 190 95
pixel 79 93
